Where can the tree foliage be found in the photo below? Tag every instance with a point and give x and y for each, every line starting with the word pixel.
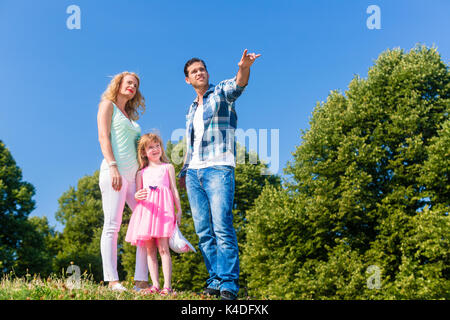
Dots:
pixel 16 204
pixel 80 211
pixel 368 186
pixel 38 249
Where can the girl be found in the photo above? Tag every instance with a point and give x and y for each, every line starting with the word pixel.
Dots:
pixel 153 220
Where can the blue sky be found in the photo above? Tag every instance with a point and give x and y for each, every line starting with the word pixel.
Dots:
pixel 52 77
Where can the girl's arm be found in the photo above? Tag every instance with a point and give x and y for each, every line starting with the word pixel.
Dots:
pixel 141 192
pixel 176 196
pixel 138 180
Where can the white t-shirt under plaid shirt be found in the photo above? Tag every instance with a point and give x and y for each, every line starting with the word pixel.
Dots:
pixel 223 158
pixel 216 144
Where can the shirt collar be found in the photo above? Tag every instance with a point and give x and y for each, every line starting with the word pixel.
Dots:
pixel 210 89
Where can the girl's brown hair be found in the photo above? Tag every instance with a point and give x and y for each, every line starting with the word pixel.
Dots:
pixel 143 144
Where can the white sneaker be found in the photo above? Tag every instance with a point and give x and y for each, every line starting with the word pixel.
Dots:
pixel 118 287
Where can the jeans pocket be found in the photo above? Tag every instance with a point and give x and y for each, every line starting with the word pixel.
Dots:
pixel 223 168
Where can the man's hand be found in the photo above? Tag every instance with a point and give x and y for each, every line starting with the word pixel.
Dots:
pixel 182 182
pixel 178 218
pixel 244 68
pixel 247 59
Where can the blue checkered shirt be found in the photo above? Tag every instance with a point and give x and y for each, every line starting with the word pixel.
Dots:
pixel 219 118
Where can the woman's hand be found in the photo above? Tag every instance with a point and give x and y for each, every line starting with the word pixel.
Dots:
pixel 141 194
pixel 116 178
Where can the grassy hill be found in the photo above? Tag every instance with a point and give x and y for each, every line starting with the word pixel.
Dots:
pixel 56 288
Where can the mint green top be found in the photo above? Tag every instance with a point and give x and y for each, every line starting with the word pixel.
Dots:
pixel 125 134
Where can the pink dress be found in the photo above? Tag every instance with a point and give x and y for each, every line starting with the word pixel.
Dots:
pixel 154 216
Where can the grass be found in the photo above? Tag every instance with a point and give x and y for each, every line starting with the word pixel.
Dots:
pixel 58 288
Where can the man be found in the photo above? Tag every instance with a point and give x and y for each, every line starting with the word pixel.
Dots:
pixel 208 171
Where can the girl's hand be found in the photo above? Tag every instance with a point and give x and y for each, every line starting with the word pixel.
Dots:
pixel 141 194
pixel 178 217
pixel 116 178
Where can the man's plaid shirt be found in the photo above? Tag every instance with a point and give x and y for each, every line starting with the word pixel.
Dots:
pixel 219 118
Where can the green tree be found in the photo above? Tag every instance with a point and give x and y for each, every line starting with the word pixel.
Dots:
pixel 358 185
pixel 38 249
pixel 16 204
pixel 424 271
pixel 80 211
pixel 434 174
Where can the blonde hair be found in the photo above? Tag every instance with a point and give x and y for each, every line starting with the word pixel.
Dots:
pixel 133 105
pixel 143 144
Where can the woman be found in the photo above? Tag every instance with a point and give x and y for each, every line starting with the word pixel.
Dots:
pixel 118 134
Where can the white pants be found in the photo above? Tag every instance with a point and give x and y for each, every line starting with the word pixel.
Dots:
pixel 113 203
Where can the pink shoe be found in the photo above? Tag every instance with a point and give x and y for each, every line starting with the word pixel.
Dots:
pixel 166 291
pixel 151 290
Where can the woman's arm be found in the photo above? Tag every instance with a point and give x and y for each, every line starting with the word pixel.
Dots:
pixel 104 116
pixel 176 196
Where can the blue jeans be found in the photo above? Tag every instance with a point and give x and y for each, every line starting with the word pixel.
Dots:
pixel 211 193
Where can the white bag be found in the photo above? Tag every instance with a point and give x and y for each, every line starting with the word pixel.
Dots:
pixel 178 243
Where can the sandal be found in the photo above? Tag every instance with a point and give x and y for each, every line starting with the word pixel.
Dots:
pixel 151 290
pixel 166 291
